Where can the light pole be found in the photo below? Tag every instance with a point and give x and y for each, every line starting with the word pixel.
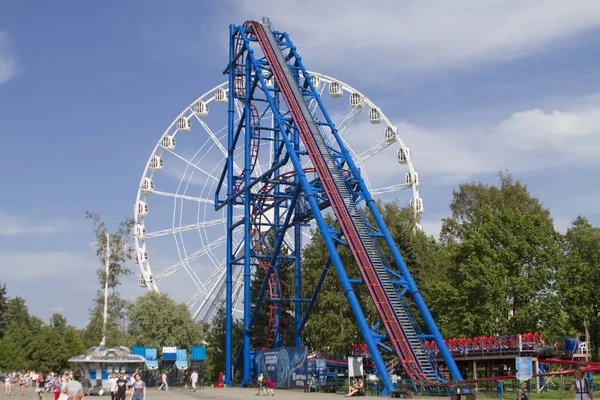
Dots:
pixel 107 272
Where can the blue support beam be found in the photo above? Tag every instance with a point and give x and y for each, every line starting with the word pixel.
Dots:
pixel 274 204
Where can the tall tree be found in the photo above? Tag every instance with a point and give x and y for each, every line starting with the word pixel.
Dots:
pixel 156 320
pixel 579 279
pixel 73 344
pixel 503 250
pixel 15 347
pixel 3 310
pixel 331 326
pixel 215 350
pixel 120 252
pixel 58 322
pixel 49 350
pixel 17 311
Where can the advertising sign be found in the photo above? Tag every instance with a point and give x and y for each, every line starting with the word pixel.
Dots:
pixel 524 368
pixel 285 366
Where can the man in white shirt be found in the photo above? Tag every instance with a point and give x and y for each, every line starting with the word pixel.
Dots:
pixel 112 383
pixel 194 379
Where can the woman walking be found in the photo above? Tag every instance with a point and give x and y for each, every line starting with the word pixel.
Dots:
pixel 138 388
pixel 581 387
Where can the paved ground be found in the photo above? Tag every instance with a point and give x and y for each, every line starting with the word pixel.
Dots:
pixel 206 393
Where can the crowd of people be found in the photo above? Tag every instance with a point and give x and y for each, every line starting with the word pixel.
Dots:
pixel 525 341
pixel 15 382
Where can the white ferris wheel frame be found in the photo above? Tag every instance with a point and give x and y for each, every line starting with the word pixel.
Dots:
pixel 209 294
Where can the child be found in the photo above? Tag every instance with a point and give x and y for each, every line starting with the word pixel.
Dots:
pixel 271 387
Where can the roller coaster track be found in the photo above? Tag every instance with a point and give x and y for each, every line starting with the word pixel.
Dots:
pixel 393 312
pixel 260 248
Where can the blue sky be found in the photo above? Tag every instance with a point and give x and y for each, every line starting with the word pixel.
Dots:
pixel 87 88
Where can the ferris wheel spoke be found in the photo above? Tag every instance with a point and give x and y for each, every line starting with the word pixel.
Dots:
pixel 212 283
pixel 239 108
pixel 365 155
pixel 185 228
pixel 312 105
pixel 389 189
pixel 183 197
pixel 191 258
pixel 348 119
pixel 196 167
pixel 212 135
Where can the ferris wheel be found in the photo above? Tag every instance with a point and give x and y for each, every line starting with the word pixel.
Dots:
pixel 177 229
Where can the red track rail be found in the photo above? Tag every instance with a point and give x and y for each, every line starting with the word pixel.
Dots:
pixel 386 312
pixel 240 90
pixel 587 367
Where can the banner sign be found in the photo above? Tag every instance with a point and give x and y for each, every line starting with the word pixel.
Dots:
pixel 181 360
pixel 524 368
pixel 151 361
pixel 285 366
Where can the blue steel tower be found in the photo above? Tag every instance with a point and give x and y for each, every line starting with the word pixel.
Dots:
pixel 267 75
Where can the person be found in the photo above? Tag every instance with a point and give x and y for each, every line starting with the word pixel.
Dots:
pixel 74 389
pixel 356 387
pixel 521 393
pixel 22 383
pixel 270 386
pixel 163 381
pixel 112 386
pixel 312 383
pixel 121 388
pixel 261 385
pixel 220 381
pixel 194 378
pixel 41 383
pixel 581 386
pixel 138 388
pixel 56 386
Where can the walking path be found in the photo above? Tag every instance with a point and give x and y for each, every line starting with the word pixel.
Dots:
pixel 201 394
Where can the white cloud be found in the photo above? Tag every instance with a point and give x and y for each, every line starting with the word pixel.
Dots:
pixel 25 266
pixel 8 67
pixel 525 140
pixel 576 132
pixel 397 35
pixel 11 225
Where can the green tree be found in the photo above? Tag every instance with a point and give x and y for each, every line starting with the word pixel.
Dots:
pixel 49 350
pixel 120 251
pixel 215 349
pixel 502 251
pixel 3 310
pixel 15 347
pixel 579 279
pixel 58 322
pixel 17 311
pixel 73 344
pixel 156 320
pixel 35 324
pixel 331 325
